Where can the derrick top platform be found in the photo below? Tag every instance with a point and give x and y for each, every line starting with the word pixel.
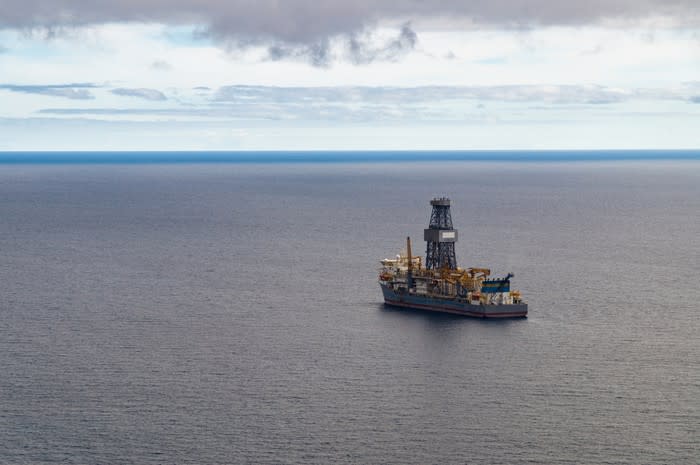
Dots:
pixel 440 202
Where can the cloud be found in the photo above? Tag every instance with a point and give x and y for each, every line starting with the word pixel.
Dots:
pixel 425 98
pixel 360 49
pixel 148 94
pixel 3 49
pixel 364 51
pixel 558 94
pixel 311 21
pixel 395 104
pixel 78 91
pixel 161 65
pixel 128 111
pixel 318 53
pixel 694 99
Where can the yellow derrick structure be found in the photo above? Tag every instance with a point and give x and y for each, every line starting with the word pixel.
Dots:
pixel 470 279
pixel 443 279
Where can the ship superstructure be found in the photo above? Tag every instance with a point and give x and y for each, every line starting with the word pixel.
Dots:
pixel 440 285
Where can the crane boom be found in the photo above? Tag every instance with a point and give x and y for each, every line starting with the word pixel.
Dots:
pixel 408 253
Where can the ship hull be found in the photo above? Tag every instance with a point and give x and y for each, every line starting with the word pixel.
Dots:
pixel 455 306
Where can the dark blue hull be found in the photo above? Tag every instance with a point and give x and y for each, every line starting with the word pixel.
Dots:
pixel 400 298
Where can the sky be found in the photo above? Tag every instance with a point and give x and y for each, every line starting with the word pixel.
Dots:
pixel 349 75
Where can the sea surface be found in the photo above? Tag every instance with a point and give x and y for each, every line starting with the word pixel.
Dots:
pixel 229 312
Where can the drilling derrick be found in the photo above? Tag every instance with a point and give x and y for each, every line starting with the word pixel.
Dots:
pixel 440 237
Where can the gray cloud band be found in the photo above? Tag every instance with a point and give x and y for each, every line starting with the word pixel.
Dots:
pixel 310 21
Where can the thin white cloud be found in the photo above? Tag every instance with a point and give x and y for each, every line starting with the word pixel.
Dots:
pixel 556 94
pixel 148 94
pixel 405 105
pixel 69 91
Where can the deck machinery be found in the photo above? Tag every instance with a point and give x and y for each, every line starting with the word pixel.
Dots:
pixel 441 285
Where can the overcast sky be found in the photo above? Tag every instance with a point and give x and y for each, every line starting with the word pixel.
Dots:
pixel 361 74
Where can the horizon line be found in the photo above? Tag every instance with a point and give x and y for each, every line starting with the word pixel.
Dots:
pixel 340 156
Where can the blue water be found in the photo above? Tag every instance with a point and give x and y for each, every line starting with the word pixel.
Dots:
pixel 258 157
pixel 229 313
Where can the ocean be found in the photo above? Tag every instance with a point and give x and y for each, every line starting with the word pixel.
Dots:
pixel 173 312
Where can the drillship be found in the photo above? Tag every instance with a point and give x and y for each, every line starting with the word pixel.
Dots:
pixel 440 285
